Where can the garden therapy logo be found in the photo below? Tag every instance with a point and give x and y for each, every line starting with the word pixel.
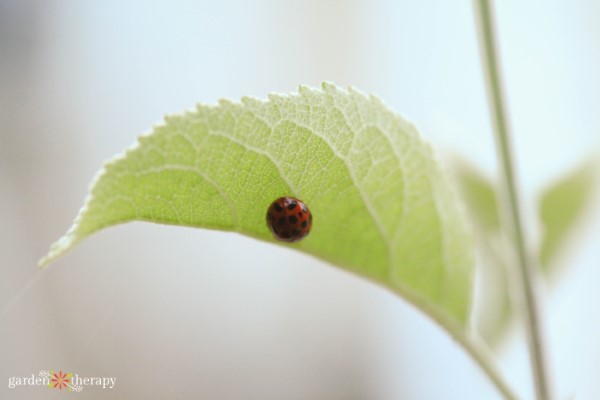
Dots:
pixel 60 380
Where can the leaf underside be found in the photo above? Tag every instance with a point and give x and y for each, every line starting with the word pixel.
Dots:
pixel 381 206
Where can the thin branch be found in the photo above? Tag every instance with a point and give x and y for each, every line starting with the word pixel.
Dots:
pixel 529 297
pixel 477 350
pixel 480 353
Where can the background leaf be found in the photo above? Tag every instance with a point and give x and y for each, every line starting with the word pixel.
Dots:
pixel 381 206
pixel 560 207
pixel 479 195
pixel 493 308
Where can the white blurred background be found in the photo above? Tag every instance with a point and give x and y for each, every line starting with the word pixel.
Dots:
pixel 183 313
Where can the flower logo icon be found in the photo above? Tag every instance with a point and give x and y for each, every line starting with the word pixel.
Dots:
pixel 59 380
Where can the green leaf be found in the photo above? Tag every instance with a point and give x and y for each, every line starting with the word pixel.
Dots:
pixel 560 207
pixel 381 206
pixel 479 195
pixel 493 310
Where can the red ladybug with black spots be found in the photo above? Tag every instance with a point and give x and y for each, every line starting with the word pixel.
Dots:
pixel 289 219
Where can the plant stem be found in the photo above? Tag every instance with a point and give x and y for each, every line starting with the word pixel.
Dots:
pixel 527 274
pixel 471 344
pixel 482 356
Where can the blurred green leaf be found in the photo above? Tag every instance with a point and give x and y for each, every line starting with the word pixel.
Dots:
pixel 560 206
pixel 493 311
pixel 479 196
pixel 381 206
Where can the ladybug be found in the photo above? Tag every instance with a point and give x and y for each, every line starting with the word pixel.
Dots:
pixel 289 219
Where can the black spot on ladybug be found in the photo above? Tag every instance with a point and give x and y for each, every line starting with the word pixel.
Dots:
pixel 292 205
pixel 295 232
pixel 304 223
pixel 277 207
pixel 281 221
pixel 293 219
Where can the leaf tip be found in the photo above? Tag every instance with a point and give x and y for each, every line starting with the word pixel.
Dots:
pixel 57 249
pixel 44 261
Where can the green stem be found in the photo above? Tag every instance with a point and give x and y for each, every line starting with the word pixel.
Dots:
pixel 470 344
pixel 529 296
pixel 482 356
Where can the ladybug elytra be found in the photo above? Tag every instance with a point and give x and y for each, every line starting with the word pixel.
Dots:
pixel 289 219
